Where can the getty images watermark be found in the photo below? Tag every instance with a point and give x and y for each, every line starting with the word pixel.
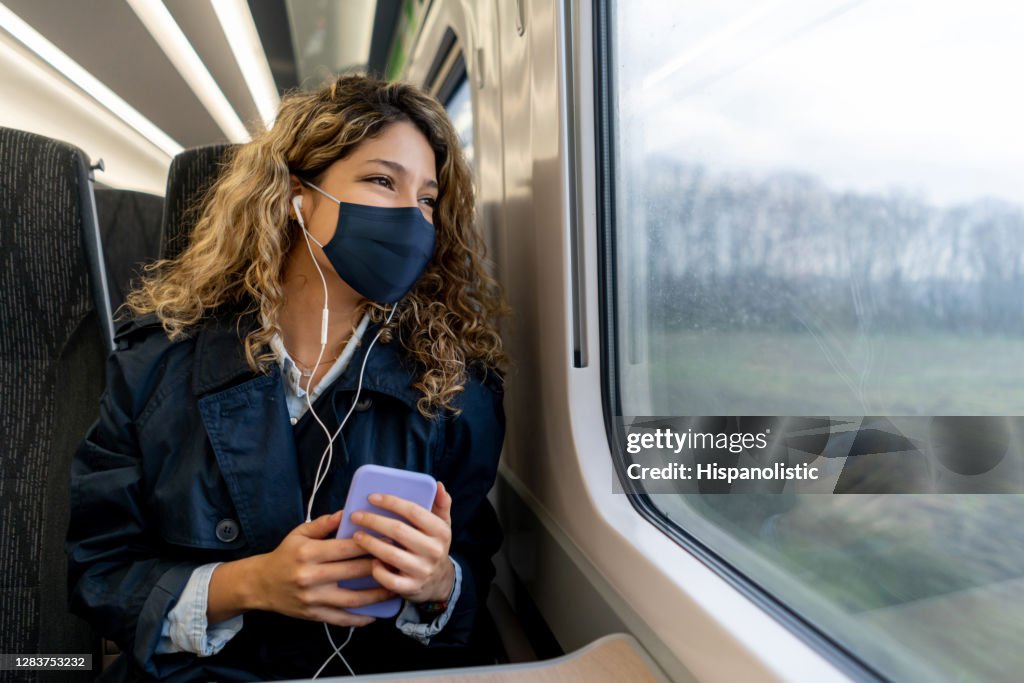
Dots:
pixel 661 438
pixel 946 454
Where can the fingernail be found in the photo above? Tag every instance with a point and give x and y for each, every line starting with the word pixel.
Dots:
pixel 376 498
pixel 357 516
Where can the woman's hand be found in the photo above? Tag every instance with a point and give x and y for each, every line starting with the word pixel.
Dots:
pixel 299 578
pixel 419 570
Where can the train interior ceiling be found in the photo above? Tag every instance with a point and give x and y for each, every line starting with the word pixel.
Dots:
pixel 642 282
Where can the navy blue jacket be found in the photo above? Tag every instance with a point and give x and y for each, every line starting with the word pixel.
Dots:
pixel 188 436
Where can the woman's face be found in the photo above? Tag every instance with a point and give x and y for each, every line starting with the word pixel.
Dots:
pixel 394 169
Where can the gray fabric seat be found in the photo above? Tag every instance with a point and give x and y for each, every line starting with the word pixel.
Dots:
pixel 52 352
pixel 130 227
pixel 192 173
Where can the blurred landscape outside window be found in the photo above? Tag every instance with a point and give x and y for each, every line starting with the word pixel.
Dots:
pixel 820 211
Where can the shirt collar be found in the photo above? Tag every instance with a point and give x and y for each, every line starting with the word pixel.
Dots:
pixel 220 361
pixel 294 381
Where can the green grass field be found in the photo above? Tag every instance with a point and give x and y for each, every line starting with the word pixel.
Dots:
pixel 922 587
pixel 763 373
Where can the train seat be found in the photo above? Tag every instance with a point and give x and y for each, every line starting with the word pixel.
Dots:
pixel 51 371
pixel 130 229
pixel 191 174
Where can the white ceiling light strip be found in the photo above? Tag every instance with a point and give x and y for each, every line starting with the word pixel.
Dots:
pixel 169 36
pixel 74 72
pixel 239 28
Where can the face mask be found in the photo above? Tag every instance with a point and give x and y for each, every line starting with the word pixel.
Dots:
pixel 379 251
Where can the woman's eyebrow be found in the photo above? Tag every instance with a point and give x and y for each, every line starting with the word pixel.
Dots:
pixel 400 170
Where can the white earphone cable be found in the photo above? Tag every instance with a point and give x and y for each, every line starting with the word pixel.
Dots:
pixel 329 450
pixel 337 651
pixel 331 437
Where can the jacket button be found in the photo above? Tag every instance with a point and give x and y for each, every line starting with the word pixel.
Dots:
pixel 227 530
pixel 363 405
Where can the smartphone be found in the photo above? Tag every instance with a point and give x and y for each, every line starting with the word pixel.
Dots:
pixel 413 486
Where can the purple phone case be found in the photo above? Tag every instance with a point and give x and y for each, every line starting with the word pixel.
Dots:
pixel 414 486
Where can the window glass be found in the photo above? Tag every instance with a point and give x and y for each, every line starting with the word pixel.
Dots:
pixel 820 211
pixel 460 110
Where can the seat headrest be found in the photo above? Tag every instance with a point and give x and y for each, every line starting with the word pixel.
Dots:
pixel 49 232
pixel 130 226
pixel 191 174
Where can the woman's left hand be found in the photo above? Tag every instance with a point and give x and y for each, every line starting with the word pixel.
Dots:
pixel 419 570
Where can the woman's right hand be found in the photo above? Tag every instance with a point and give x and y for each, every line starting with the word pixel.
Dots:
pixel 300 577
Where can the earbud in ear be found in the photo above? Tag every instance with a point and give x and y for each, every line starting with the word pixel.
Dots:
pixel 297 204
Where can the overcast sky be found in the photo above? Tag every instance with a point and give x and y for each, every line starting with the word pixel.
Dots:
pixel 869 95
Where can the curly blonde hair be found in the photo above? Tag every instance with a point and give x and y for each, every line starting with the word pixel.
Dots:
pixel 237 251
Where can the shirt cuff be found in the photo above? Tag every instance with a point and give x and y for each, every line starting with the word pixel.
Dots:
pixel 185 628
pixel 409 621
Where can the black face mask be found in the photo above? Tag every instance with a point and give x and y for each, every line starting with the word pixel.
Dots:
pixel 379 251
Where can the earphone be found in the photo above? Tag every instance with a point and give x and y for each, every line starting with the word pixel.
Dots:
pixel 329 450
pixel 324 318
pixel 297 203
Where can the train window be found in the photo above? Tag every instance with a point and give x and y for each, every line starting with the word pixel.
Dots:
pixel 458 101
pixel 818 209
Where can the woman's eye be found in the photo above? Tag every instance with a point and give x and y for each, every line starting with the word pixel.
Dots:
pixel 383 181
pixel 431 201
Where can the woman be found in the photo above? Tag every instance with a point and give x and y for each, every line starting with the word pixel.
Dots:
pixel 333 287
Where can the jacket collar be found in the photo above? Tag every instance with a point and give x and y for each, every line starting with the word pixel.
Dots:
pixel 220 353
pixel 220 361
